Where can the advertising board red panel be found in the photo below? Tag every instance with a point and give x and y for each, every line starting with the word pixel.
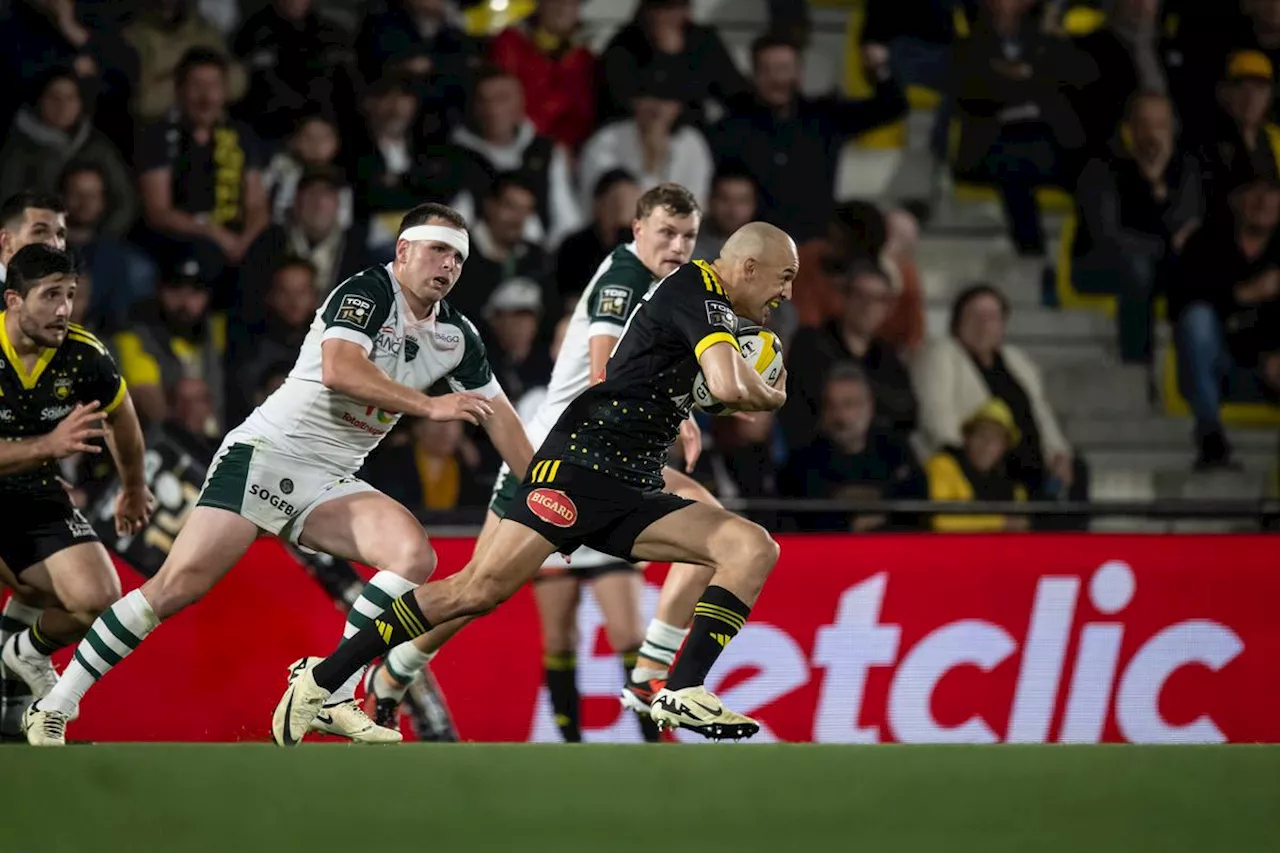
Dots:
pixel 972 639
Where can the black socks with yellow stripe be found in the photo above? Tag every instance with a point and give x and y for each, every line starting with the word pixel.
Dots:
pixel 717 619
pixel 561 674
pixel 399 623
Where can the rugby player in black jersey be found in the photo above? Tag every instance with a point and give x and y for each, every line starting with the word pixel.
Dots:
pixel 59 392
pixel 597 481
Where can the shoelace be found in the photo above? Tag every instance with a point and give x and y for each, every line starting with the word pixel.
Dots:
pixel 55 724
pixel 358 712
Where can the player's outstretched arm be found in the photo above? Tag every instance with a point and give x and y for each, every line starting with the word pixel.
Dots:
pixel 124 439
pixel 346 368
pixel 506 431
pixel 732 381
pixel 72 435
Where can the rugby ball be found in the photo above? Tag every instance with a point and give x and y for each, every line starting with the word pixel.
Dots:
pixel 762 349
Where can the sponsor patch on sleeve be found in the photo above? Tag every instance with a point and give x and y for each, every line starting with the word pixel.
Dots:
pixel 613 301
pixel 355 310
pixel 719 314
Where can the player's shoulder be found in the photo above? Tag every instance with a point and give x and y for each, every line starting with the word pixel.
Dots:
pixel 80 341
pixel 372 281
pixel 694 283
pixel 447 315
pixel 622 268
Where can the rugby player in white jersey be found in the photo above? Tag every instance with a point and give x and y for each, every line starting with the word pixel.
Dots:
pixel 665 230
pixel 289 469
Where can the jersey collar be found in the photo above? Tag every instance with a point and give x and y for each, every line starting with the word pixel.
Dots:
pixel 423 323
pixel 28 380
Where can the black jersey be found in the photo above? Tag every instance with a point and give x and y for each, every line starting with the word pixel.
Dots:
pixel 79 371
pixel 625 425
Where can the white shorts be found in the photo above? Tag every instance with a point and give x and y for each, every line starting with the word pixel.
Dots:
pixel 273 490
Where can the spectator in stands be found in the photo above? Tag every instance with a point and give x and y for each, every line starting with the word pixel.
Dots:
pixel 1136 207
pixel 734 200
pixel 1226 308
pixel 30 217
pixel 51 132
pixel 512 316
pixel 314 144
pixel 613 207
pixel 296 58
pixel 663 43
pixel 201 172
pixel 976 471
pixel 125 276
pixel 856 230
pixel 654 144
pixel 1133 54
pixel 547 55
pixel 394 169
pixel 163 34
pixel 918 37
pixel 291 302
pixel 851 456
pixel 191 405
pixel 955 375
pixel 904 328
pixel 503 139
pixel 314 232
pixel 854 338
pixel 1242 143
pixel 498 249
pixel 172 337
pixel 739 456
pixel 1018 128
pixel 431 467
pixel 415 40
pixel 41 36
pixel 792 144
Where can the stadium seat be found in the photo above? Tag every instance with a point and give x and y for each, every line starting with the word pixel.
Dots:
pixel 1233 414
pixel 1065 288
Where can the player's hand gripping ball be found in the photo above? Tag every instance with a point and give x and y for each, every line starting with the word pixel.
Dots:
pixel 762 349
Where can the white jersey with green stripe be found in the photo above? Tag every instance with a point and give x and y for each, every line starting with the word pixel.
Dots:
pixel 615 291
pixel 307 420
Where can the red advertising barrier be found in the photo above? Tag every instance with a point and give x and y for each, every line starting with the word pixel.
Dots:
pixel 971 639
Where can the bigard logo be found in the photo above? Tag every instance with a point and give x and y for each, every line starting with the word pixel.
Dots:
pixel 553 506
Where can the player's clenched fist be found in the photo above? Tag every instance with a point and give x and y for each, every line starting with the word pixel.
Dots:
pixel 463 406
pixel 83 425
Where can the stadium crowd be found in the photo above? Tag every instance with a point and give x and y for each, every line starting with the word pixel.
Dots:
pixel 223 168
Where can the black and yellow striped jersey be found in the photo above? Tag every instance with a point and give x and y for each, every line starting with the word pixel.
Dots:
pixel 625 425
pixel 33 402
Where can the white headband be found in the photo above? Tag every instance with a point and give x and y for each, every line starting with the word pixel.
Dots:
pixel 448 235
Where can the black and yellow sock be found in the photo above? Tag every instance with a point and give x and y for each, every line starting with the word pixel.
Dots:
pixel 648 729
pixel 399 623
pixel 717 619
pixel 561 672
pixel 40 642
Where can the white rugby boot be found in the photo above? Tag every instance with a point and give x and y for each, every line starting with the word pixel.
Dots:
pixel 698 709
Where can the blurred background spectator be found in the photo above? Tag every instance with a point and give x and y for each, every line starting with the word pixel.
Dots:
pixel 733 203
pixel 663 45
pixel 1226 305
pixel 51 132
pixel 545 53
pixel 975 470
pixel 791 143
pixel 853 455
pixel 613 206
pixel 512 315
pixel 1018 128
pixel 1241 143
pixel 314 144
pixel 1138 204
pixel 957 374
pixel 504 139
pixel 654 144
pixel 853 339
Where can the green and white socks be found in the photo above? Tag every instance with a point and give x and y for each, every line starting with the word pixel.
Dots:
pixel 111 638
pixel 382 589
pixel 661 643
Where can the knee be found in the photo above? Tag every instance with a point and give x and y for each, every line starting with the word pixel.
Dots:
pixel 1199 324
pixel 88 604
pixel 749 546
pixel 415 563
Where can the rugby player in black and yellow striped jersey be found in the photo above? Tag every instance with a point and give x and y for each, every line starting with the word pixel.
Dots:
pixel 59 392
pixel 597 481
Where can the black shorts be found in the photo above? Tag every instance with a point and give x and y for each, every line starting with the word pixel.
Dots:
pixel 571 506
pixel 38 526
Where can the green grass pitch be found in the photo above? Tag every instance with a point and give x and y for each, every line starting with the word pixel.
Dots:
pixel 732 798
